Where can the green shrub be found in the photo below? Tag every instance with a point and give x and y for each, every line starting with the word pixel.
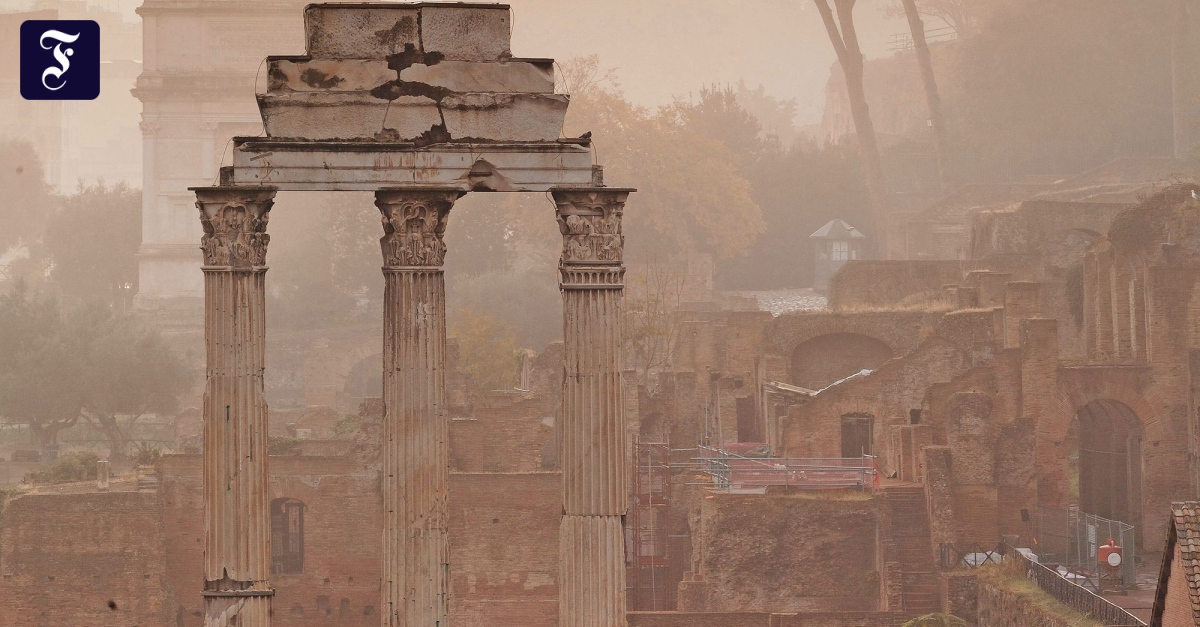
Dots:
pixel 146 454
pixel 80 466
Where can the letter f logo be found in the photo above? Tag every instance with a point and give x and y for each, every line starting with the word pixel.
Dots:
pixel 60 60
pixel 60 55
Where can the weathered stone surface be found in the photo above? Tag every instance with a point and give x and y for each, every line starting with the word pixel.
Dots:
pixel 460 32
pixel 346 166
pixel 327 75
pixel 535 76
pixel 360 31
pixel 505 117
pixel 237 538
pixel 478 32
pixel 347 116
pixel 361 116
pixel 348 75
pixel 593 427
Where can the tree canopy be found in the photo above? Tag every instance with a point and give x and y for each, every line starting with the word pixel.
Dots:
pixel 62 364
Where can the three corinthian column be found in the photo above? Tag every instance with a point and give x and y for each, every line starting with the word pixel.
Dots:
pixel 415 452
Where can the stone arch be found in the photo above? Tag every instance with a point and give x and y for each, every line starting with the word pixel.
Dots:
pixel 1107 437
pixel 364 380
pixel 1093 402
pixel 329 365
pixel 822 360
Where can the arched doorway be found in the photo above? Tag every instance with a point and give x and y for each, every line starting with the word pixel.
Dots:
pixel 1108 470
pixel 364 381
pixel 823 360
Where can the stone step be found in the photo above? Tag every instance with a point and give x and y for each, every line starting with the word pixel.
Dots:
pixel 375 31
pixel 358 116
pixel 533 76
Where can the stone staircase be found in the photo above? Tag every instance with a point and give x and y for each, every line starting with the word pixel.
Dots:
pixel 913 549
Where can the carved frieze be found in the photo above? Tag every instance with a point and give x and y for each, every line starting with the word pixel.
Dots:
pixel 590 222
pixel 414 222
pixel 235 226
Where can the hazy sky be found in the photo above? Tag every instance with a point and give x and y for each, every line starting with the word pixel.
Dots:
pixel 666 48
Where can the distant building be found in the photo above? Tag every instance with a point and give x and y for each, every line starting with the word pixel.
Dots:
pixel 85 140
pixel 197 90
pixel 834 244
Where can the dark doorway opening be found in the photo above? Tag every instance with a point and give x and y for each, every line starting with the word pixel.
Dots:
pixel 747 421
pixel 287 536
pixel 1109 466
pixel 858 435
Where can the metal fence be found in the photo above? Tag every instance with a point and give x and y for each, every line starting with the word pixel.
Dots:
pixel 1074 595
pixel 732 472
pixel 1072 538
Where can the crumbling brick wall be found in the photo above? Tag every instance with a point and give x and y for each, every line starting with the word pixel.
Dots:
pixel 880 284
pixel 503 543
pixel 783 553
pixel 83 559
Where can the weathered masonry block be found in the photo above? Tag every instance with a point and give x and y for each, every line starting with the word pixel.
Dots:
pixel 421 73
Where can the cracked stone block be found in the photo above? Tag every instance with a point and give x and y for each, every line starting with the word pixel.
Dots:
pixel 344 116
pixel 327 75
pixel 347 116
pixel 505 117
pixel 535 77
pixel 349 75
pixel 359 31
pixel 467 33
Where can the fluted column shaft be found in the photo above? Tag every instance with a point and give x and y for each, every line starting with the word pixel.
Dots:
pixel 595 490
pixel 237 531
pixel 416 429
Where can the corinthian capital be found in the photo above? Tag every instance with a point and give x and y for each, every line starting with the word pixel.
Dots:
pixel 590 222
pixel 235 225
pixel 414 221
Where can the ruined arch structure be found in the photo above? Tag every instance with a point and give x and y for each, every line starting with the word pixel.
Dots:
pixel 420 103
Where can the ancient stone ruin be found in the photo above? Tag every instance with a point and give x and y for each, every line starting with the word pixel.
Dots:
pixel 420 103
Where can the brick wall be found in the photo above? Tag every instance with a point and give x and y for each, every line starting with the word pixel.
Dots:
pixel 759 619
pixel 879 284
pixel 503 434
pixel 1177 609
pixel 63 558
pixel 340 579
pixel 813 427
pixel 783 553
pixel 503 540
pixel 504 549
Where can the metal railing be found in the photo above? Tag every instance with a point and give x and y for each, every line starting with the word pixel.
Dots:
pixel 731 472
pixel 953 557
pixel 1072 594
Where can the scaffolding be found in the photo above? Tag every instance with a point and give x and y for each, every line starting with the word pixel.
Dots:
pixel 742 474
pixel 649 528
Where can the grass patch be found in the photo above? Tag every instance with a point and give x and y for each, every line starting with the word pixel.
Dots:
pixel 1007 576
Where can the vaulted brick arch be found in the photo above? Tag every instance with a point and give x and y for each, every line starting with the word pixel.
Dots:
pixel 900 331
pixel 1100 419
pixel 329 362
